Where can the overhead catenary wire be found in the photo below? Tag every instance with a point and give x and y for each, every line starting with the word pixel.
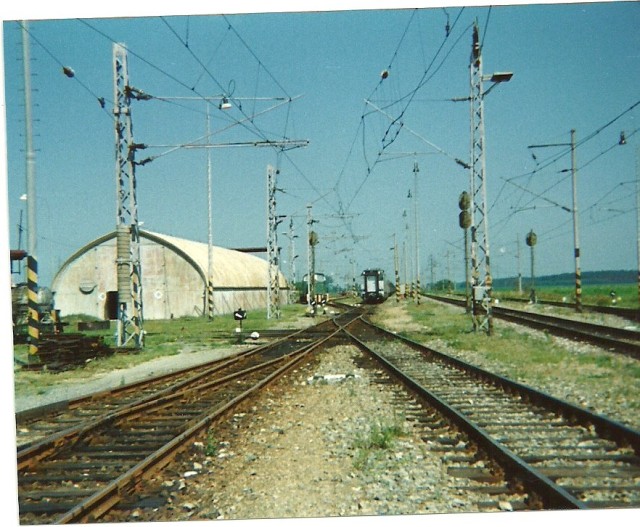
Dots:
pixel 551 160
pixel 393 130
pixel 175 79
pixel 205 68
pixel 73 75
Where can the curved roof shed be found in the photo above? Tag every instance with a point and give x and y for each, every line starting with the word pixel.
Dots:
pixel 174 279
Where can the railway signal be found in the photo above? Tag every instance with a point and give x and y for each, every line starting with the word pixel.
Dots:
pixel 531 240
pixel 464 219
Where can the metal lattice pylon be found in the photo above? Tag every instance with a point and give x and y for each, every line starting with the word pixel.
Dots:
pixel 129 271
pixel 273 282
pixel 480 261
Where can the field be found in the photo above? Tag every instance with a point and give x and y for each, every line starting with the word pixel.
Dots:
pixel 626 295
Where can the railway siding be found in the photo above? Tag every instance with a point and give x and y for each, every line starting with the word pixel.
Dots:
pixel 359 463
pixel 302 449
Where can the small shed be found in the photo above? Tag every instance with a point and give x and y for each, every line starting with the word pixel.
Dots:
pixel 174 279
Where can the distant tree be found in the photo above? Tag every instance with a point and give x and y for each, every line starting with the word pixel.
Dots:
pixel 444 285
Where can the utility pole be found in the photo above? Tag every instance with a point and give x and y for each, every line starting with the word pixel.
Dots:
pixel 32 258
pixel 481 287
pixel 396 267
pixel 408 264
pixel 416 222
pixel 638 215
pixel 129 270
pixel 273 284
pixel 574 213
pixel 432 266
pixel 210 304
pixel 576 237
pixel 518 259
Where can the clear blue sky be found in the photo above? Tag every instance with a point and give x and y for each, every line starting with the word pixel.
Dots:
pixel 575 66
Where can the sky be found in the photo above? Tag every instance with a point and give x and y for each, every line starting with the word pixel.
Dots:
pixel 297 77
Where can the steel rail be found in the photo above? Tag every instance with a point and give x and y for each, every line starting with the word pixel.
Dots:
pixel 536 483
pixel 613 339
pixel 96 505
pixel 622 312
pixel 606 427
pixel 77 402
pixel 32 454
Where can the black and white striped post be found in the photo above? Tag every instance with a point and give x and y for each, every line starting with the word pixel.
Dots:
pixel 32 259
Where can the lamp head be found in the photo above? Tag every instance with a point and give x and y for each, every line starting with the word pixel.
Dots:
pixel 501 76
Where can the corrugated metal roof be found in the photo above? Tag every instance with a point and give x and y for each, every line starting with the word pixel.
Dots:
pixel 230 268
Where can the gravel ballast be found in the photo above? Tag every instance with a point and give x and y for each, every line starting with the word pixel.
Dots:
pixel 299 451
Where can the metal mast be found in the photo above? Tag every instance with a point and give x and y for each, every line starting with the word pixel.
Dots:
pixel 396 267
pixel 32 259
pixel 273 283
pixel 576 235
pixel 481 283
pixel 415 232
pixel 210 305
pixel 127 232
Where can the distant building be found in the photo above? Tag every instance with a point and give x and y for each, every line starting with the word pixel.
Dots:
pixel 174 279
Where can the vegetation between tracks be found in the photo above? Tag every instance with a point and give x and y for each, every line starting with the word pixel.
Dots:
pixel 379 437
pixel 599 380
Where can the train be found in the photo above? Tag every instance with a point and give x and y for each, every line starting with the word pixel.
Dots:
pixel 375 289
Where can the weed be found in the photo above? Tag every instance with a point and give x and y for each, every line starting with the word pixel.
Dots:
pixel 380 437
pixel 211 448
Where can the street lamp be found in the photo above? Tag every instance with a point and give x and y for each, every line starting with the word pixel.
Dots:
pixel 481 288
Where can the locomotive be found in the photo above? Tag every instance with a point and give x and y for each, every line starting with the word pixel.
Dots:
pixel 374 287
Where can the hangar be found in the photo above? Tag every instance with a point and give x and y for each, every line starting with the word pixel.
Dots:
pixel 174 279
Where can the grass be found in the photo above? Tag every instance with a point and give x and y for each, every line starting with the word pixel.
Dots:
pixel 378 438
pixel 595 295
pixel 163 338
pixel 211 448
pixel 534 358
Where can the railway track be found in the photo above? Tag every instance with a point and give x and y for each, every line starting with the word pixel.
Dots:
pixel 82 471
pixel 509 440
pixel 626 313
pixel 613 339
pixel 37 423
pixel 560 455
